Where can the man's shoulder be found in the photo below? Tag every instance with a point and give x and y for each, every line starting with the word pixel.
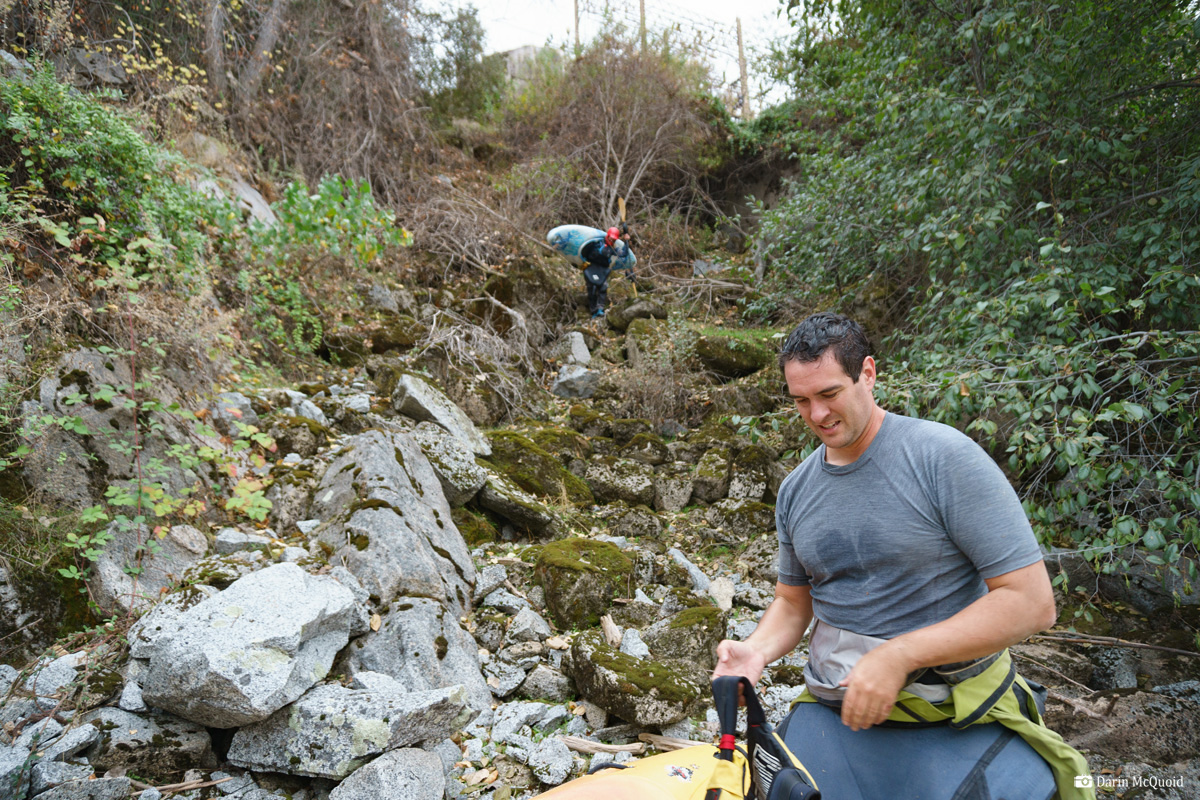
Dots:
pixel 810 464
pixel 927 434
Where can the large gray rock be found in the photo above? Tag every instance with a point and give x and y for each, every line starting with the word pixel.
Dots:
pixel 151 745
pixel 415 398
pixel 51 676
pixel 66 468
pixel 98 789
pixel 551 761
pixel 391 524
pixel 505 498
pixel 332 731
pixel 575 381
pixel 572 349
pixel 230 408
pixel 455 466
pixel 114 589
pixel 528 626
pixel 710 479
pixel 1136 726
pixel 545 683
pixel 239 657
pixel 71 744
pixel 641 692
pixel 152 625
pixel 407 774
pixel 57 466
pixel 423 646
pixel 611 478
pixel 48 774
pixel 14 772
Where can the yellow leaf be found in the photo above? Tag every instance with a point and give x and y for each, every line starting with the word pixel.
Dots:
pixel 376 622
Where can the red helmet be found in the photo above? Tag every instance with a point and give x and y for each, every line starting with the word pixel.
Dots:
pixel 611 236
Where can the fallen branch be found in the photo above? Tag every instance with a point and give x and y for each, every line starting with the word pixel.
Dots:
pixel 1079 706
pixel 1084 638
pixel 580 745
pixel 178 787
pixel 1049 668
pixel 667 743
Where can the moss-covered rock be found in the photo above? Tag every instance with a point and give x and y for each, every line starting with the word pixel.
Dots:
pixel 710 481
pixel 732 357
pixel 535 470
pixel 750 473
pixel 623 430
pixel 612 478
pixel 567 445
pixel 646 338
pixel 386 374
pixel 742 400
pixel 638 691
pixel 299 435
pixel 623 314
pixel 347 343
pixel 638 522
pixel 476 528
pixel 673 486
pixel 740 520
pixel 635 615
pixel 691 635
pixel 758 559
pixel 646 448
pixel 503 497
pixel 588 421
pixel 580 578
pixel 400 333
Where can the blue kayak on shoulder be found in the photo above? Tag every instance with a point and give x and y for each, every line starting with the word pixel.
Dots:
pixel 568 240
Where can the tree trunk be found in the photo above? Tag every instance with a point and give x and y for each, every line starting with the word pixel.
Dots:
pixel 215 21
pixel 260 59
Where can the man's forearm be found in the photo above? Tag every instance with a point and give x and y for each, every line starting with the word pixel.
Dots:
pixel 1013 610
pixel 782 626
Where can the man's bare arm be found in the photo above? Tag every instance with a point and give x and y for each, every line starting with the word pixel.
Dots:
pixel 1018 604
pixel 779 631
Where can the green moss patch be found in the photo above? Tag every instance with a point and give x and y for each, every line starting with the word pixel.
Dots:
pixel 535 470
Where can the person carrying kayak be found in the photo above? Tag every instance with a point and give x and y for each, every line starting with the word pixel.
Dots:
pixel 599 256
pixel 906 544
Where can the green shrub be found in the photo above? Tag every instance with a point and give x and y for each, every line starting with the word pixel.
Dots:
pixel 82 179
pixel 1020 185
pixel 338 227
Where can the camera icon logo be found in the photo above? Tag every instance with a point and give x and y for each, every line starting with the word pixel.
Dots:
pixel 1085 782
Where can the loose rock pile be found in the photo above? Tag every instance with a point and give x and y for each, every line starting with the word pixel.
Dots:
pixel 433 612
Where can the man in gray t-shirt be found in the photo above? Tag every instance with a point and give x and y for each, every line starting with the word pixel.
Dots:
pixel 895 528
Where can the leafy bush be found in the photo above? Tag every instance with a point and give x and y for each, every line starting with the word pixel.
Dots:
pixel 85 182
pixel 1022 182
pixel 338 228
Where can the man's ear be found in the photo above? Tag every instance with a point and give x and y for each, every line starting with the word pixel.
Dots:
pixel 868 371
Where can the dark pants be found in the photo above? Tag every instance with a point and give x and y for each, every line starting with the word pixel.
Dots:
pixel 982 762
pixel 597 287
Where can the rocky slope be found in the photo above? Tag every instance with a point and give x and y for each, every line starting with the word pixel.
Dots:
pixel 431 610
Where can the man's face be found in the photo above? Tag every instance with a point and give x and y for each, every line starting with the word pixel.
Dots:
pixel 841 412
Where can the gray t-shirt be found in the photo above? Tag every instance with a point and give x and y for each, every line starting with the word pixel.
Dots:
pixel 903 537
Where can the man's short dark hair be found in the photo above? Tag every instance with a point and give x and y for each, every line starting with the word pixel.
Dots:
pixel 827 331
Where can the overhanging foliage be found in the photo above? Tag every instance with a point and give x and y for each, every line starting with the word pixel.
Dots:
pixel 1025 177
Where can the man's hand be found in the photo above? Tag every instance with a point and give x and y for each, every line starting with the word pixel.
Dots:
pixel 873 686
pixel 739 659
